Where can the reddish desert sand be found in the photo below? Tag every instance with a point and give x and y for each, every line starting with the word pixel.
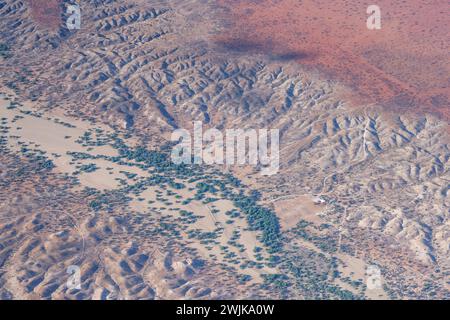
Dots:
pixel 404 66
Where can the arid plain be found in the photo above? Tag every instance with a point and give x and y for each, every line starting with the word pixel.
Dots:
pixel 86 178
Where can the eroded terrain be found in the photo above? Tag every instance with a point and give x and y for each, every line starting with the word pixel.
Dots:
pixel 86 179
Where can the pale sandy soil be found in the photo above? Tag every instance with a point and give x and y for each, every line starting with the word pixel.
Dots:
pixel 355 269
pixel 209 222
pixel 57 140
pixel 356 110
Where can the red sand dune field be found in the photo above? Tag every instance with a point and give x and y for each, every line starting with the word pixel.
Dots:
pixel 405 65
